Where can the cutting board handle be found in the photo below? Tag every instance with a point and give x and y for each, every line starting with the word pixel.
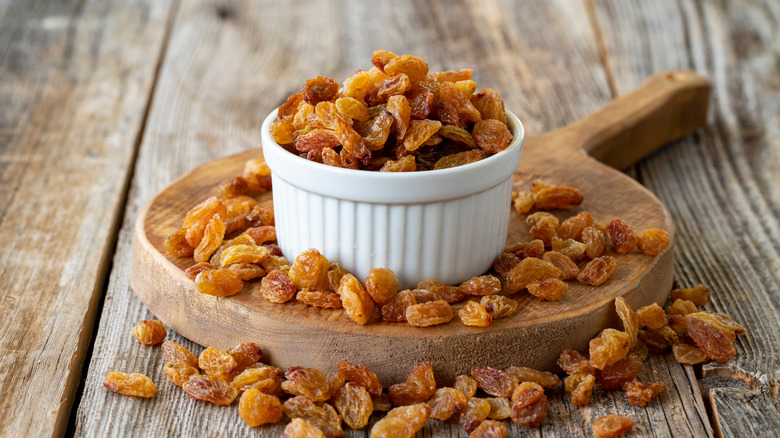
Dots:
pixel 667 106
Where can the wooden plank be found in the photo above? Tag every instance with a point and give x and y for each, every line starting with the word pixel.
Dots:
pixel 76 77
pixel 722 185
pixel 228 66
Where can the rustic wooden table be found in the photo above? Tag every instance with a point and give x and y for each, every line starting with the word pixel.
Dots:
pixel 104 102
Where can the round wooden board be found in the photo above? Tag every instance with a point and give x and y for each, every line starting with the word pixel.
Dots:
pixel 294 334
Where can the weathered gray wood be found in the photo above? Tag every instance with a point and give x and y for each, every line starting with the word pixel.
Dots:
pixel 721 186
pixel 75 77
pixel 229 65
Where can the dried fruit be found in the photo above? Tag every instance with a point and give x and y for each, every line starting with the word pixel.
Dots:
pixel 319 89
pixel 640 393
pixel 361 375
pixel 527 271
pixel 199 216
pixel 652 316
pixel 300 428
pixel 544 226
pixel 573 227
pixel 308 382
pixel 310 270
pixel 429 313
pixel 179 372
pixel 245 355
pixel 489 104
pixel 219 282
pixel 688 354
pixel 498 306
pixel 173 352
pixel 466 385
pixel 609 347
pixel 597 271
pixel 710 338
pixel 443 291
pixel 277 287
pixel 543 378
pixel 629 318
pixel 500 408
pixel 382 403
pixel 557 198
pixel 419 387
pixel 243 254
pixel 395 310
pixel 176 244
pixel 614 375
pixel 381 285
pixel 354 404
pixel 492 136
pixel 392 428
pixel 551 289
pixel 216 362
pixel 681 307
pixel 135 384
pixel 595 242
pixel 474 314
pixel 316 298
pixel 489 429
pixel 356 301
pixel 580 385
pixel 476 411
pixel 252 376
pixel 573 362
pixel 652 242
pixel 611 426
pixel 621 234
pixel 446 403
pixel 322 416
pixel 416 415
pixel 569 247
pixel 247 271
pixel 699 295
pixel 150 332
pixel 495 382
pixel 257 408
pixel 524 202
pixel 529 405
pixel 419 132
pixel 210 389
pixel 213 234
pixel 569 269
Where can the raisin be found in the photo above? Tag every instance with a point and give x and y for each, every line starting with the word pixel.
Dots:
pixel 419 131
pixel 135 384
pixel 476 411
pixel 640 393
pixel 395 310
pixel 381 57
pixel 247 271
pixel 678 323
pixel 394 427
pixel 173 352
pixel 257 175
pixel 527 271
pixel 281 132
pixel 609 347
pixel 543 378
pixel 557 198
pixel 176 244
pixel 544 229
pixel 357 85
pixel 213 234
pixel 277 287
pixel 498 306
pixel 653 340
pixel 614 375
pixel 290 106
pixel 412 66
pixel 310 270
pixel 568 268
pixel 150 332
pixel 529 405
pixel 356 301
pixel 710 338
pixel 316 298
pixel 468 88
pixel 354 404
pixel 335 272
pixel 446 403
pixel 179 372
pixel 361 375
pixel 300 428
pixel 595 242
pixel 352 108
pixel 257 408
pixel 492 136
pixel 466 385
pixel 217 362
pixel 621 234
pixel 420 101
pixel 256 374
pixel 428 314
pixel 524 202
pixel 569 247
pixel 723 322
pixel 489 104
pixel 699 295
pixel 573 362
pixel 398 107
pixel 688 354
pixel 573 227
pixel 495 382
pixel 416 415
pixel 405 164
pixel 474 314
pixel 317 140
pixel 322 416
pixel 381 285
pixel 459 159
pixel 681 307
pixel 597 271
pixel 612 426
pixel 652 316
pixel 484 285
pixel 629 318
pixel 218 282
pixel 210 389
pixel 459 135
pixel 419 386
pixel 450 294
pixel 335 382
pixel 652 242
pixel 245 355
pixel 551 289
pixel 378 131
pixel 199 216
pixel 307 382
pixel 319 89
pixel 243 254
pixel 534 248
pixel 580 385
pixel 500 408
pixel 390 86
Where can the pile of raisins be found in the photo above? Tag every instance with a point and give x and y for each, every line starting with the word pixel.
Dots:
pixel 395 117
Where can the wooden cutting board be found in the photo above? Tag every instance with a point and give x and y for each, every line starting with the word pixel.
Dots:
pixel 668 106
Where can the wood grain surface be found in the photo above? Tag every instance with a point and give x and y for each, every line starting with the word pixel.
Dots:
pixel 544 58
pixel 74 88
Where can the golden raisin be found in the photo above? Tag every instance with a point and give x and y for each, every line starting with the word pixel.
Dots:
pixel 572 362
pixel 310 270
pixel 354 404
pixel 629 318
pixel 489 429
pixel 418 387
pixel 688 354
pixel 256 374
pixel 652 242
pixel 319 89
pixel 257 408
pixel 557 198
pixel 489 104
pixel 218 282
pixel 527 271
pixel 500 408
pixel 476 411
pixel 652 316
pixel 210 389
pixel 307 382
pixel 569 247
pixel 216 362
pixel 551 289
pixel 176 244
pixel 173 352
pixel 492 136
pixel 459 159
pixel 640 393
pixel 614 375
pixel 135 384
pixel 394 427
pixel 416 415
pixel 419 131
pixel 300 428
pixel 543 378
pixel 429 313
pixel 568 268
pixel 447 402
pixel 498 306
pixel 322 416
pixel 495 382
pixel 150 332
pixel 595 242
pixel 580 385
pixel 474 314
pixel 609 347
pixel 356 301
pixel 623 238
pixel 395 310
pixel 573 227
pixel 699 295
pixel 466 385
pixel 245 355
pixel 179 372
pixel 277 287
pixel 213 234
pixel 597 271
pixel 381 285
pixel 529 405
pixel 611 426
pixel 361 375
pixel 483 285
pixel 710 338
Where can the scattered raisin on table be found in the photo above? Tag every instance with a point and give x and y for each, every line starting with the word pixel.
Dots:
pixel 308 382
pixel 529 405
pixel 476 411
pixel 580 385
pixel 474 314
pixel 210 389
pixel 498 383
pixel 613 376
pixel 150 332
pixel 257 408
pixel 354 404
pixel 361 375
pixel 429 313
pixel 609 347
pixel 416 414
pixel 699 295
pixel 623 238
pixel 135 384
pixel 640 393
pixel 597 271
pixel 489 429
pixel 446 403
pixel 612 426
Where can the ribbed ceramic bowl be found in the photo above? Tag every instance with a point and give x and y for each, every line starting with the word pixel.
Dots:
pixel 447 224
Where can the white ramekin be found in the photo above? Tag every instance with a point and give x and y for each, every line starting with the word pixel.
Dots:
pixel 447 224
